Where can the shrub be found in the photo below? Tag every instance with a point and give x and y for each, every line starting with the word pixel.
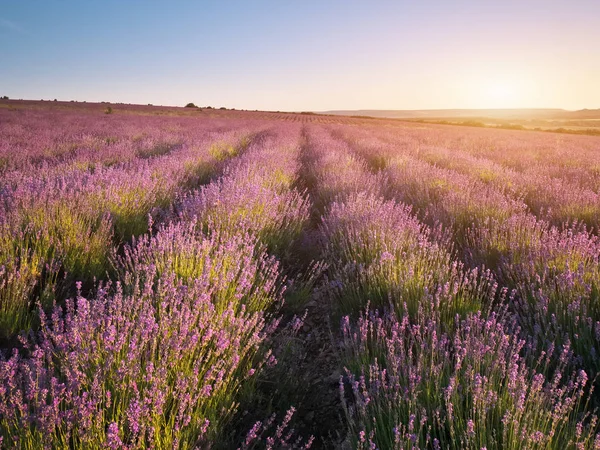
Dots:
pixel 140 365
pixel 413 386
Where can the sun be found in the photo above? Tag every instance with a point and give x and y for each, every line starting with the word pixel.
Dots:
pixel 501 93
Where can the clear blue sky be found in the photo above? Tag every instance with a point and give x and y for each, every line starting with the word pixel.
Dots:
pixel 304 55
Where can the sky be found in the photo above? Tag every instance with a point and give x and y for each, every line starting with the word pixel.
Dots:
pixel 304 55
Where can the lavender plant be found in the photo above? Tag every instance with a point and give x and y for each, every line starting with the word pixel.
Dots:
pixel 411 385
pixel 158 367
pixel 379 251
pixel 255 195
pixel 241 275
pixel 61 227
pixel 555 273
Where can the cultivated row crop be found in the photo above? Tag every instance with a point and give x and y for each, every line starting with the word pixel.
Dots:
pixel 152 270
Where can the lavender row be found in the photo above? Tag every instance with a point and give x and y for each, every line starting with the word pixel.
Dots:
pixel 437 370
pixel 555 274
pixel 378 251
pixel 454 172
pixel 574 159
pixel 554 270
pixel 62 141
pixel 168 348
pixel 415 387
pixel 256 194
pixel 153 362
pixel 58 227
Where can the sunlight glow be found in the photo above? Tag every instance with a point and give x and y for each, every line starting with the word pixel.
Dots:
pixel 502 92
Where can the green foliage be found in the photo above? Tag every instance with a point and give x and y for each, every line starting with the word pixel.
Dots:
pixel 52 238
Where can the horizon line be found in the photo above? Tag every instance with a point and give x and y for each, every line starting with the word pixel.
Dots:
pixel 325 111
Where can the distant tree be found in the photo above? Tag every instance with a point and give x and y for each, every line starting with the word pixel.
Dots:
pixel 222 107
pixel 55 100
pixel 190 105
pixel 5 97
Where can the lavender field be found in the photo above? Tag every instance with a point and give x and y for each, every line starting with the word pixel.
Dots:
pixel 176 279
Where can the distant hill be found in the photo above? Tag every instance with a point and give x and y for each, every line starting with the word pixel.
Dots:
pixel 529 113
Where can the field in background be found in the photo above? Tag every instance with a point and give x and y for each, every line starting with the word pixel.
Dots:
pixel 585 121
pixel 569 126
pixel 211 278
